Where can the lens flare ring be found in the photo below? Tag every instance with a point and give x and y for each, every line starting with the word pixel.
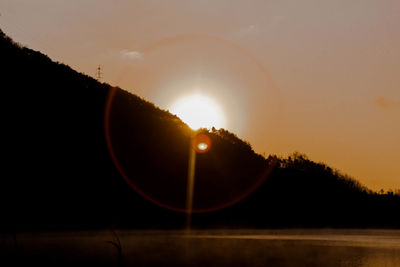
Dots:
pixel 201 147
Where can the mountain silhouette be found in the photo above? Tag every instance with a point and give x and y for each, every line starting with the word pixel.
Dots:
pixel 80 154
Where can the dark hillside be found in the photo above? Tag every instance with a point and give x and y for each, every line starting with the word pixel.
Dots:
pixel 58 171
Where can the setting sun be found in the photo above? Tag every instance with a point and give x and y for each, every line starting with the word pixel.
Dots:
pixel 199 111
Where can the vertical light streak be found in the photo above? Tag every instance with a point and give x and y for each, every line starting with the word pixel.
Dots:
pixel 190 186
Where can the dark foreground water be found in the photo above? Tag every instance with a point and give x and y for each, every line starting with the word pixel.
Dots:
pixel 203 248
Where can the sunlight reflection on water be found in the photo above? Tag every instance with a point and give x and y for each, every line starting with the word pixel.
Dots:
pixel 212 248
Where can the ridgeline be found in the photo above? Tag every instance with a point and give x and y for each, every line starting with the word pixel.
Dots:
pixel 58 171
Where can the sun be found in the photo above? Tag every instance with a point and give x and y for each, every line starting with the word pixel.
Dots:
pixel 199 111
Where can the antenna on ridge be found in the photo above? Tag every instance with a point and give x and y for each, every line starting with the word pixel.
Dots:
pixel 99 73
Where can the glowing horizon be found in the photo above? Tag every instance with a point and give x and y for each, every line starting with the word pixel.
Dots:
pixel 199 111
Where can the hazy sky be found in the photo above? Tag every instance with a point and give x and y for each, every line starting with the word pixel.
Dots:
pixel 318 77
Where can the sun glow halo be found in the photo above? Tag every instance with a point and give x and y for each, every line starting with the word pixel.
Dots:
pixel 199 111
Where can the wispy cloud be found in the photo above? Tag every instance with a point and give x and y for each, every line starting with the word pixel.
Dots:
pixel 385 103
pixel 245 31
pixel 131 55
pixel 260 28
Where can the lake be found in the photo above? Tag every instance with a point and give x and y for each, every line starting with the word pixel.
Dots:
pixel 296 247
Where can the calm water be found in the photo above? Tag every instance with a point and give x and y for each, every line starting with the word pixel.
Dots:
pixel 205 248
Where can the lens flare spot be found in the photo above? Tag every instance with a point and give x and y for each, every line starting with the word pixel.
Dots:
pixel 201 143
pixel 202 146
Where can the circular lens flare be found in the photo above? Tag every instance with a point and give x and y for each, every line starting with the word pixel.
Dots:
pixel 121 126
pixel 201 143
pixel 202 146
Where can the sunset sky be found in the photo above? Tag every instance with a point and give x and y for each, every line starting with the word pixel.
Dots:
pixel 318 77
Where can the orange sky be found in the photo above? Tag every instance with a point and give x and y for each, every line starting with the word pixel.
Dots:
pixel 318 77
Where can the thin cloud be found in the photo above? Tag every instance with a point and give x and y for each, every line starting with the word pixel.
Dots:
pixel 245 31
pixel 385 103
pixel 251 30
pixel 131 55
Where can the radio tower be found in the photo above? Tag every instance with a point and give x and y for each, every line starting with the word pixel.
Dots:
pixel 99 73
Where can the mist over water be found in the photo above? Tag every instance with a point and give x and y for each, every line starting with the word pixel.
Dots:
pixel 206 248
